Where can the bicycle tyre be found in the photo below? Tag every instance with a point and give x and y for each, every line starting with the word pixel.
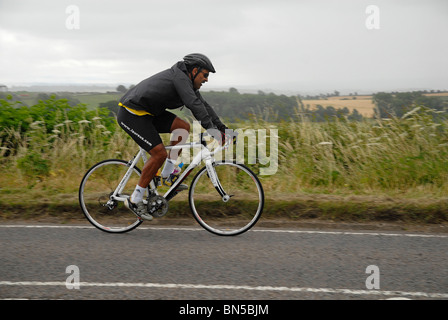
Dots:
pixel 94 194
pixel 240 213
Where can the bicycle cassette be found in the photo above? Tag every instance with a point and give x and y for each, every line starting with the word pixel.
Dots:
pixel 157 206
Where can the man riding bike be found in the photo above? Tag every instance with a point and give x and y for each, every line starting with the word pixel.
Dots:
pixel 143 115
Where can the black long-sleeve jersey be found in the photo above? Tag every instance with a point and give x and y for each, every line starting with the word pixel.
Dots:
pixel 171 89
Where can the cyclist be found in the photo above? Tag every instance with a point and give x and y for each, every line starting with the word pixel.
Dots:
pixel 143 115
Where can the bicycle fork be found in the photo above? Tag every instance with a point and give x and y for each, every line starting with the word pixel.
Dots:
pixel 211 172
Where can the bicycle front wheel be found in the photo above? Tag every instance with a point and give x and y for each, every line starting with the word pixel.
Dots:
pixel 240 212
pixel 95 196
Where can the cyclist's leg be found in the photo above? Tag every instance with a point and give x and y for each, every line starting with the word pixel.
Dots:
pixel 135 203
pixel 158 157
pixel 143 131
pixel 167 122
pixel 140 128
pixel 180 129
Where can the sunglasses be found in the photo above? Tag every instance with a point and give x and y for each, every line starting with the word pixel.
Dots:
pixel 205 74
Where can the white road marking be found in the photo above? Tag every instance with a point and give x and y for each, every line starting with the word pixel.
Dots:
pixel 230 287
pixel 367 233
pixel 421 235
pixel 234 287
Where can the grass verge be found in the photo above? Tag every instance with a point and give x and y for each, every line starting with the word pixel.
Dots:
pixel 358 209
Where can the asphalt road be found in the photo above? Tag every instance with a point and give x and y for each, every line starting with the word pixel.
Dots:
pixel 190 263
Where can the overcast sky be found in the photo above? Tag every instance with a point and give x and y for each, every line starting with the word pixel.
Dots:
pixel 300 46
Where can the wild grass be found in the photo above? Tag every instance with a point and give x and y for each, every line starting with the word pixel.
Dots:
pixel 404 157
pixel 56 161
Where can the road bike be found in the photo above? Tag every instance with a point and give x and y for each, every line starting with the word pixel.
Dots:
pixel 225 197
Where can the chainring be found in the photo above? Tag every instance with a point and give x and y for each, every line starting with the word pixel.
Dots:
pixel 157 206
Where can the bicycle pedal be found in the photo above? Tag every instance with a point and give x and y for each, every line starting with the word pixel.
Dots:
pixel 173 178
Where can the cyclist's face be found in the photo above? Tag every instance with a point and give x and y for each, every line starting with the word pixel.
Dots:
pixel 201 78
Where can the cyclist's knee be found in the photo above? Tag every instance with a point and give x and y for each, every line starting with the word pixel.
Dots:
pixel 186 126
pixel 158 153
pixel 178 123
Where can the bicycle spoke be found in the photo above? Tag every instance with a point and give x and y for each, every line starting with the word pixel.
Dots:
pixel 239 212
pixel 95 196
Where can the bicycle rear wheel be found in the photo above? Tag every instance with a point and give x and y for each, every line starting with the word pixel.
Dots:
pixel 240 212
pixel 95 192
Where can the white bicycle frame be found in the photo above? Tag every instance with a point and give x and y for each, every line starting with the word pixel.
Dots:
pixel 205 155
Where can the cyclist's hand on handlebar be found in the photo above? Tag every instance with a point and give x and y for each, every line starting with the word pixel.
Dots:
pixel 222 139
pixel 225 136
pixel 228 136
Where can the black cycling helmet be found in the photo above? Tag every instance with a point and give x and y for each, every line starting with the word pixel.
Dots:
pixel 200 60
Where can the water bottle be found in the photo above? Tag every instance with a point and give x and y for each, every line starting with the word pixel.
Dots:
pixel 178 169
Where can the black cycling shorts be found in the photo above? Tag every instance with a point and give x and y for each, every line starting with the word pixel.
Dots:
pixel 145 129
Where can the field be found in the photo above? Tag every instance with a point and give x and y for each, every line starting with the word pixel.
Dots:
pixel 392 168
pixel 94 99
pixel 363 104
pixel 91 99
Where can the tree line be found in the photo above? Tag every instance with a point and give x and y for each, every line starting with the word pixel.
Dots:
pixel 235 106
pixel 390 105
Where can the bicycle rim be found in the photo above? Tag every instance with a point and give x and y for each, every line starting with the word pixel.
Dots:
pixel 235 216
pixel 95 192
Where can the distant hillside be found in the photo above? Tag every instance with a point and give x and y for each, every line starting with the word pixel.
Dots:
pixel 232 105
